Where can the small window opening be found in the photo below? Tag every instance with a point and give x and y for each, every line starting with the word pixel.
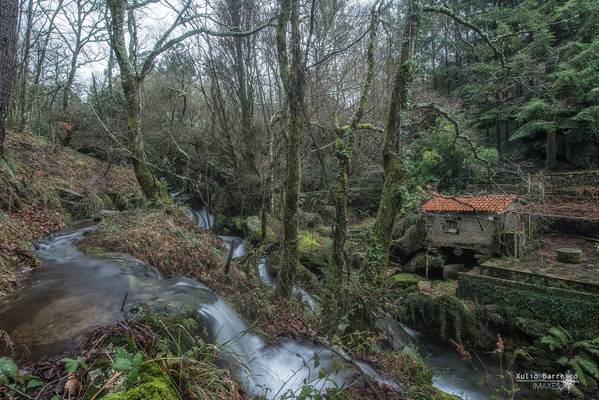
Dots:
pixel 450 226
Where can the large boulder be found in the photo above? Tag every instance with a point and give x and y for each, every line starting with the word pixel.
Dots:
pixel 424 261
pixel 569 255
pixel 309 219
pixel 314 250
pixel 411 242
pixel 252 228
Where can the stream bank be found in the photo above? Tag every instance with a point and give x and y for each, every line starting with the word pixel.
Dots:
pixel 59 303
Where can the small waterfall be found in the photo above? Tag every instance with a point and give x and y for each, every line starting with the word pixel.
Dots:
pixel 301 293
pixel 263 274
pixel 204 219
pixel 238 244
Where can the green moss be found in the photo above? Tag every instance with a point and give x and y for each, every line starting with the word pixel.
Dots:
pixel 314 249
pixel 252 227
pixel 428 392
pixel 91 249
pixel 156 388
pixel 450 316
pixel 307 242
pixel 405 279
pixel 575 311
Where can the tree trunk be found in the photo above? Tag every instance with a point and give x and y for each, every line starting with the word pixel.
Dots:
pixel 151 187
pixel 8 42
pixel 551 157
pixel 42 57
pixel 344 149
pixel 9 13
pixel 66 94
pixel 292 77
pixel 390 201
pixel 23 99
pixel 131 83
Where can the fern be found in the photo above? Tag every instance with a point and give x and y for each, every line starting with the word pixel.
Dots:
pixel 581 356
pixel 532 128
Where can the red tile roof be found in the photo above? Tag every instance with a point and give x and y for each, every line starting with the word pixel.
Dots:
pixel 468 204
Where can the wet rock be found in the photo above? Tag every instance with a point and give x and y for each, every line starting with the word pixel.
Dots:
pixel 108 213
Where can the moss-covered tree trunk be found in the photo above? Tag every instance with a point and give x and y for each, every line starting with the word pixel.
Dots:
pixel 390 201
pixel 149 184
pixel 292 76
pixel 344 149
pixel 9 13
pixel 131 83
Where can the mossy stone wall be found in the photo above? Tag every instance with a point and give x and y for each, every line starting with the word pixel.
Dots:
pixel 576 311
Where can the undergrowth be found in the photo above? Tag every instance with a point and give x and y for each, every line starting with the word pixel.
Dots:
pixel 151 358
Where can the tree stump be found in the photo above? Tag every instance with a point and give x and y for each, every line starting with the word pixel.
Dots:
pixel 569 255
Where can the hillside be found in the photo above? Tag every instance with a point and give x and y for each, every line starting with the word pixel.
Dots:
pixel 59 185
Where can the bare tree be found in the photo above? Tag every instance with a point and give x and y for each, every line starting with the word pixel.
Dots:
pixel 135 67
pixel 85 23
pixel 24 75
pixel 43 51
pixel 344 149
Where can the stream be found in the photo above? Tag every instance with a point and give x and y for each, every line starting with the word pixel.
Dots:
pixel 75 293
pixel 450 373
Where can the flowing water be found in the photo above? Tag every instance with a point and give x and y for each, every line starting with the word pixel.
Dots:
pixel 74 293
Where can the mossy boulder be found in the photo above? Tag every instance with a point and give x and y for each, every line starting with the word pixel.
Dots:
pixel 309 219
pixel 252 227
pixel 411 242
pixel 424 261
pixel 314 250
pixel 404 280
pixel 306 278
pixel 360 230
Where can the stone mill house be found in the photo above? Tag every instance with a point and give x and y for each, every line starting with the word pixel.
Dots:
pixel 465 226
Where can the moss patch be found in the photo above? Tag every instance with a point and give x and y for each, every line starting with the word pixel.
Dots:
pixel 155 389
pixel 314 250
pixel 404 280
pixel 575 311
